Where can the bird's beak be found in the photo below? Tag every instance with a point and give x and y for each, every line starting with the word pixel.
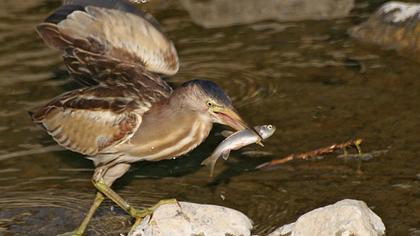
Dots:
pixel 230 117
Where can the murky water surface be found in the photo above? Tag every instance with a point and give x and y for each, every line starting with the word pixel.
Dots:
pixel 309 78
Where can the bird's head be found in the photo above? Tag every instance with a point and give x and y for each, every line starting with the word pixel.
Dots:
pixel 208 98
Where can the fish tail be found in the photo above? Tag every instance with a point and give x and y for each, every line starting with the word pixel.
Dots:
pixel 210 162
pixel 211 167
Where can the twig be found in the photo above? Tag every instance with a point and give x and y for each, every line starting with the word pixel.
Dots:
pixel 314 153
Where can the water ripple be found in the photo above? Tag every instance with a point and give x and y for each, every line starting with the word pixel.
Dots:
pixel 243 83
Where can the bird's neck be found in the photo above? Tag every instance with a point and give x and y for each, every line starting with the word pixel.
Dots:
pixel 168 131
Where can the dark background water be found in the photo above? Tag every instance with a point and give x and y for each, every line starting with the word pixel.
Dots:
pixel 307 77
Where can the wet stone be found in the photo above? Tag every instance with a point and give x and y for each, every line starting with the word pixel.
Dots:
pixel 38 220
pixel 346 217
pixel 194 219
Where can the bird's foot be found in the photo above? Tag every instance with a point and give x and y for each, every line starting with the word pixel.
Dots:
pixel 164 202
pixel 72 233
pixel 140 214
pixel 148 211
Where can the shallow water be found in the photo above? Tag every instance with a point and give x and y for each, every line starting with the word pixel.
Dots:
pixel 309 78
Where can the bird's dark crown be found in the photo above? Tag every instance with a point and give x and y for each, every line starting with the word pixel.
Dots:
pixel 211 89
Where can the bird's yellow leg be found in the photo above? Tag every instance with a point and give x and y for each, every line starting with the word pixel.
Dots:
pixel 138 214
pixel 109 193
pixel 96 203
pixel 82 227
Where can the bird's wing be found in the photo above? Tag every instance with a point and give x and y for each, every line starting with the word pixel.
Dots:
pixel 95 69
pixel 113 30
pixel 94 119
pixel 118 52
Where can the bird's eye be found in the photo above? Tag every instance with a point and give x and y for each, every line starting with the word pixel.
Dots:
pixel 209 104
pixel 269 126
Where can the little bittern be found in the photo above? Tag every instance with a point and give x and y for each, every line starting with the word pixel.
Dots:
pixel 124 112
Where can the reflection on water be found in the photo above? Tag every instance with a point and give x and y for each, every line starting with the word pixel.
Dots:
pixel 309 78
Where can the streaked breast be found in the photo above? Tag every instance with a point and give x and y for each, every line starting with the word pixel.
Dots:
pixel 171 145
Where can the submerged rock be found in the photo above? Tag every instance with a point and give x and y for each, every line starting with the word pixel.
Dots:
pixel 194 219
pixel 395 25
pixel 222 13
pixel 346 217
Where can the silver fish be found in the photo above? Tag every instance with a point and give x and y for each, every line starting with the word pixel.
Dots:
pixel 236 141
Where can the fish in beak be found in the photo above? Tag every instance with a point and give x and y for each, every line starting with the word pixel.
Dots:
pixel 229 116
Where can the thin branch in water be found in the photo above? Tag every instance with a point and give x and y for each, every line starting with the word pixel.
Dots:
pixel 314 153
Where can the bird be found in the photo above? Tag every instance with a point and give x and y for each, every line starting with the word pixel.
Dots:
pixel 124 111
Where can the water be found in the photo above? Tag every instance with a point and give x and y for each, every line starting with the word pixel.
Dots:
pixel 308 78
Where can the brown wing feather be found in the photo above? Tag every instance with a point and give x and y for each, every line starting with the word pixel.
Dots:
pixel 94 68
pixel 115 34
pixel 118 53
pixel 93 119
pixel 89 132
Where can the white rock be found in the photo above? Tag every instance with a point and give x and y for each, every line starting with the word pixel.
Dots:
pixel 194 219
pixel 402 10
pixel 344 218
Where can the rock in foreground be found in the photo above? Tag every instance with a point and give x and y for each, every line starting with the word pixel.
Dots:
pixel 346 217
pixel 194 219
